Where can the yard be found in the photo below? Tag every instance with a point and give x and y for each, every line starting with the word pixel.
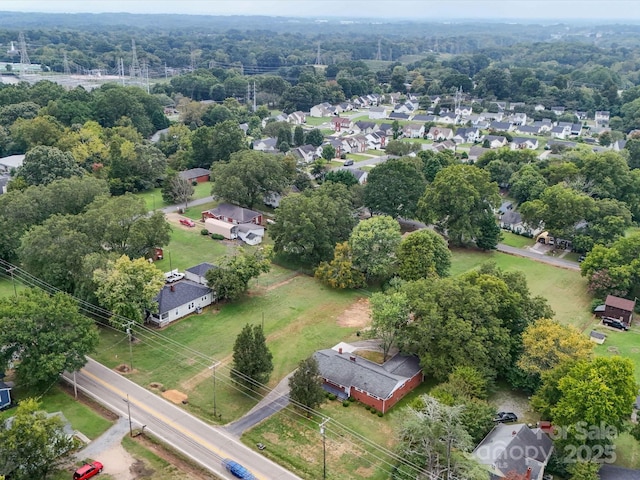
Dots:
pixel 153 198
pixel 517 241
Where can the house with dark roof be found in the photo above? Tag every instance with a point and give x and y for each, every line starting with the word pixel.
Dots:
pixel 496 141
pixel 364 127
pixel 514 448
pixel 423 118
pixel 467 135
pixel 360 175
pixel 266 145
pixel 528 130
pixel 250 233
pixel 197 273
pixel 398 116
pixel 179 299
pixel 521 143
pixel 379 386
pixel 233 214
pixel 618 308
pixel 501 126
pixel 199 175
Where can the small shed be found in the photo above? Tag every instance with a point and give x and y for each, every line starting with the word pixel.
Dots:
pixel 597 337
pixel 5 395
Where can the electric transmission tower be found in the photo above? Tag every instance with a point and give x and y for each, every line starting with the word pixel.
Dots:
pixel 318 56
pixel 134 69
pixel 24 56
pixel 379 54
pixel 65 65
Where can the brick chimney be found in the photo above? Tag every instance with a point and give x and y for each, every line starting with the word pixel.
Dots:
pixel 172 288
pixel 340 350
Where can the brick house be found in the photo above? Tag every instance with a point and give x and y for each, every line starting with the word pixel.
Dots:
pixel 199 175
pixel 618 308
pixel 233 214
pixel 379 386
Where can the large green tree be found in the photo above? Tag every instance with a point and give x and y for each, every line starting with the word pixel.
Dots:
pixel 458 201
pixel 46 333
pixel 249 176
pixel 42 165
pixel 394 188
pixel 231 278
pixel 128 287
pixel 389 315
pixel 176 189
pixel 422 254
pixel 310 224
pixel 252 360
pixel 33 444
pixel 373 243
pixel 305 386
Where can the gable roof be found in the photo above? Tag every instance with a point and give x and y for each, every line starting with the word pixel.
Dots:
pixel 239 214
pixel 201 268
pixel 621 303
pixel 399 116
pixel 365 125
pixel 194 172
pixel 514 447
pixel 178 293
pixel 378 380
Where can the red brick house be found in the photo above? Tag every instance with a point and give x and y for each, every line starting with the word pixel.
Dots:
pixel 379 386
pixel 199 175
pixel 618 308
pixel 233 214
pixel 340 123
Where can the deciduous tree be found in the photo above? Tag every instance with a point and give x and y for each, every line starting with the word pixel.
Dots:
pixel 389 314
pixel 33 444
pixel 373 244
pixel 128 288
pixel 46 333
pixel 339 272
pixel 231 278
pixel 42 165
pixel 176 189
pixel 423 254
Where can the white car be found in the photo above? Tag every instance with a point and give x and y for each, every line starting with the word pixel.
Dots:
pixel 173 276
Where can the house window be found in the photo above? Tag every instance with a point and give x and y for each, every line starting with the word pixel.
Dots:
pixel 164 315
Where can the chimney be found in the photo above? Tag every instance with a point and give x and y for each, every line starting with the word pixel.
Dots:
pixel 340 350
pixel 352 358
pixel 527 476
pixel 173 288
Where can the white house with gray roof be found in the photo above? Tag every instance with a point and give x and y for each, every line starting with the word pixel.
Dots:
pixel 179 299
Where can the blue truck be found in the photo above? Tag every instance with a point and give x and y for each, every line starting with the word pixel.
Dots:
pixel 237 470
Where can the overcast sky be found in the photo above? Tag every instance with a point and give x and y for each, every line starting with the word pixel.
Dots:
pixel 628 10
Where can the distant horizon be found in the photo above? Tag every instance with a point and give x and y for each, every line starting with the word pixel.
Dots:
pixel 387 11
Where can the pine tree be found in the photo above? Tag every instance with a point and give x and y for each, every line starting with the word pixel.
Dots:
pixel 252 360
pixel 305 385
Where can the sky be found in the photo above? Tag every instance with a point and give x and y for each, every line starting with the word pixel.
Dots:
pixel 628 10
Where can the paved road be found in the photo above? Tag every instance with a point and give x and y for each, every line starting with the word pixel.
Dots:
pixel 192 203
pixel 521 252
pixel 273 402
pixel 202 443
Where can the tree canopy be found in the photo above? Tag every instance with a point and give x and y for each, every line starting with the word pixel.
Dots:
pixel 422 254
pixel 252 360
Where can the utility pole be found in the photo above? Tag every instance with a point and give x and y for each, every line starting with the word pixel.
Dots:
pixel 129 413
pixel 215 406
pixel 13 280
pixel 254 96
pixel 324 448
pixel 65 65
pixel 127 327
pixel 24 56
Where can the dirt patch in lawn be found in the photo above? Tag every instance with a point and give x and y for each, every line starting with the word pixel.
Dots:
pixel 357 315
pixel 124 369
pixel 280 284
pixel 175 396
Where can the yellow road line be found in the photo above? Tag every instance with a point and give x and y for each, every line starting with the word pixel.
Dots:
pixel 161 417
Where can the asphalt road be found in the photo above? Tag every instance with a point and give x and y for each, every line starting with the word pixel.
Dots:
pixel 202 443
pixel 521 252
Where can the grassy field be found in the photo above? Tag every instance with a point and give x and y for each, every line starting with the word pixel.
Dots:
pixel 153 198
pixel 517 241
pixel 376 153
pixel 293 307
pixel 565 290
pixel 82 417
pixel 625 344
pixel 317 121
pixel 356 157
pixel 348 456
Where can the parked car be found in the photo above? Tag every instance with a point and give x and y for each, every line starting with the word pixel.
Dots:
pixel 581 258
pixel 348 163
pixel 88 470
pixel 615 323
pixel 505 417
pixel 173 276
pixel 187 222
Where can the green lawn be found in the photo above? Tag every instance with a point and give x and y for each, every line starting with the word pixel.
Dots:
pixel 153 198
pixel 82 417
pixel 517 241
pixel 317 121
pixel 356 157
pixel 348 456
pixel 376 153
pixel 565 290
pixel 7 286
pixel 293 307
pixel 625 344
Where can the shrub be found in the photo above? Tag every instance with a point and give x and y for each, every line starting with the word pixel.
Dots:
pixel 346 403
pixel 368 407
pixel 204 231
pixel 374 411
pixel 217 236
pixel 380 414
pixel 332 396
pixel 351 399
